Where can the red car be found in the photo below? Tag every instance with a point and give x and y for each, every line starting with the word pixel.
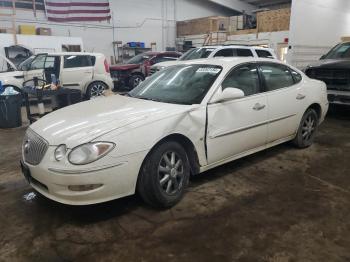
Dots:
pixel 137 68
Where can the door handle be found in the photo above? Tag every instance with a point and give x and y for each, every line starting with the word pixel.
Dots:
pixel 300 97
pixel 258 107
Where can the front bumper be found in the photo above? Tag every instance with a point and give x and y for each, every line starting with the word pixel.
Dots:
pixel 117 179
pixel 339 97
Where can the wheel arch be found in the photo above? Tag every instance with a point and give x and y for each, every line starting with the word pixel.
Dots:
pixel 186 143
pixel 317 107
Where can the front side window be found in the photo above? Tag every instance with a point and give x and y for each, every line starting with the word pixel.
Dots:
pixel 181 84
pixel 38 62
pixel 244 52
pixel 276 76
pixel 244 77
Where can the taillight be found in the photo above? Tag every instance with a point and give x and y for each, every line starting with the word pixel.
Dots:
pixel 106 66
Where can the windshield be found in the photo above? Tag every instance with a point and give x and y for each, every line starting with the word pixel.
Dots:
pixel 339 51
pixel 24 66
pixel 139 59
pixel 196 53
pixel 181 84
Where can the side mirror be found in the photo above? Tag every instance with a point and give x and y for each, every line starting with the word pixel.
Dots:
pixel 229 93
pixel 322 57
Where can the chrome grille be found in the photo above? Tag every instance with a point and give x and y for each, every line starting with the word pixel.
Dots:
pixel 34 147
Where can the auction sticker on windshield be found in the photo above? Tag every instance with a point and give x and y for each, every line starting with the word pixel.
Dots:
pixel 212 70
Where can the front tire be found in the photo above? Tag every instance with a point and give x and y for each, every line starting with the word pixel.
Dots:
pixel 164 175
pixel 307 129
pixel 96 89
pixel 134 81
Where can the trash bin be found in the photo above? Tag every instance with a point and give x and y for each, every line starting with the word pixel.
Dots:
pixel 10 111
pixel 75 97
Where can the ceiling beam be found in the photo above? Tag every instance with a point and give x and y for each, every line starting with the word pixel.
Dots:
pixel 236 5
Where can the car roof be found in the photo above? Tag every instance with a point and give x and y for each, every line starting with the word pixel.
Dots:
pixel 230 61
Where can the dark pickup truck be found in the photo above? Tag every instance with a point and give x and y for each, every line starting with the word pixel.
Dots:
pixel 334 69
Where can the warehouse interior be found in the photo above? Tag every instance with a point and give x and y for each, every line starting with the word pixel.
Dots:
pixel 175 130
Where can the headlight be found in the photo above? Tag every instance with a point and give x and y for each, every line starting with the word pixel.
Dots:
pixel 60 152
pixel 90 152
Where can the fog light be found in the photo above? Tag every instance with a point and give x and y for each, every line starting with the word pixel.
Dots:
pixel 79 188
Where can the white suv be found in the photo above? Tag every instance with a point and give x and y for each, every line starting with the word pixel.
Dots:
pixel 88 72
pixel 218 51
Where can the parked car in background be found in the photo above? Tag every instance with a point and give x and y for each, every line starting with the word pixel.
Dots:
pixel 134 71
pixel 88 72
pixel 334 69
pixel 218 51
pixel 188 119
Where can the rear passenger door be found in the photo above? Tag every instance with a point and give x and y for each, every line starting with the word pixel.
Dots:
pixel 284 97
pixel 77 71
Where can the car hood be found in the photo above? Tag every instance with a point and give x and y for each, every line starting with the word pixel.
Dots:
pixel 124 67
pixel 5 76
pixel 331 64
pixel 84 122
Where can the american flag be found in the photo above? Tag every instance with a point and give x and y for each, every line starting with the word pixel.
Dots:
pixel 77 10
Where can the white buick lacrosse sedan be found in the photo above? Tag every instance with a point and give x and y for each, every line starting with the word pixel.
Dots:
pixel 179 122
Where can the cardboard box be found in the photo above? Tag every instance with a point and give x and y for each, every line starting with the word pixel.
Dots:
pixel 43 31
pixel 27 29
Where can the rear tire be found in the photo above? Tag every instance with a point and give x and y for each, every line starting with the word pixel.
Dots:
pixel 96 89
pixel 307 129
pixel 164 175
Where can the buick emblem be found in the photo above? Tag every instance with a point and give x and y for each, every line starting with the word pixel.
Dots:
pixel 26 146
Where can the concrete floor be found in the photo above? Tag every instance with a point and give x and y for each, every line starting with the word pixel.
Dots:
pixel 282 204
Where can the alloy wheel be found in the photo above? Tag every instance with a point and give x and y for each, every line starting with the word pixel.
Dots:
pixel 308 128
pixel 137 81
pixel 97 89
pixel 171 173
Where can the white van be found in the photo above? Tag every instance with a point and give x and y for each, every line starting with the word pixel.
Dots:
pixel 88 72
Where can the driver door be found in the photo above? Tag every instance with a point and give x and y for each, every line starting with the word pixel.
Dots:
pixel 237 126
pixel 36 68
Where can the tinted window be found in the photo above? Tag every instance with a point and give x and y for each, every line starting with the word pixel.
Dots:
pixel 196 53
pixel 71 61
pixel 224 52
pixel 276 76
pixel 263 53
pixel 244 52
pixel 245 78
pixel 297 77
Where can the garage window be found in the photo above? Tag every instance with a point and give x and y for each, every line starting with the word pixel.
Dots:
pixel 245 78
pixel 72 61
pixel 276 76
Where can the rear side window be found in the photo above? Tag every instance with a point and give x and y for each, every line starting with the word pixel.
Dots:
pixel 72 61
pixel 263 53
pixel 160 59
pixel 245 78
pixel 244 52
pixel 224 52
pixel 276 76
